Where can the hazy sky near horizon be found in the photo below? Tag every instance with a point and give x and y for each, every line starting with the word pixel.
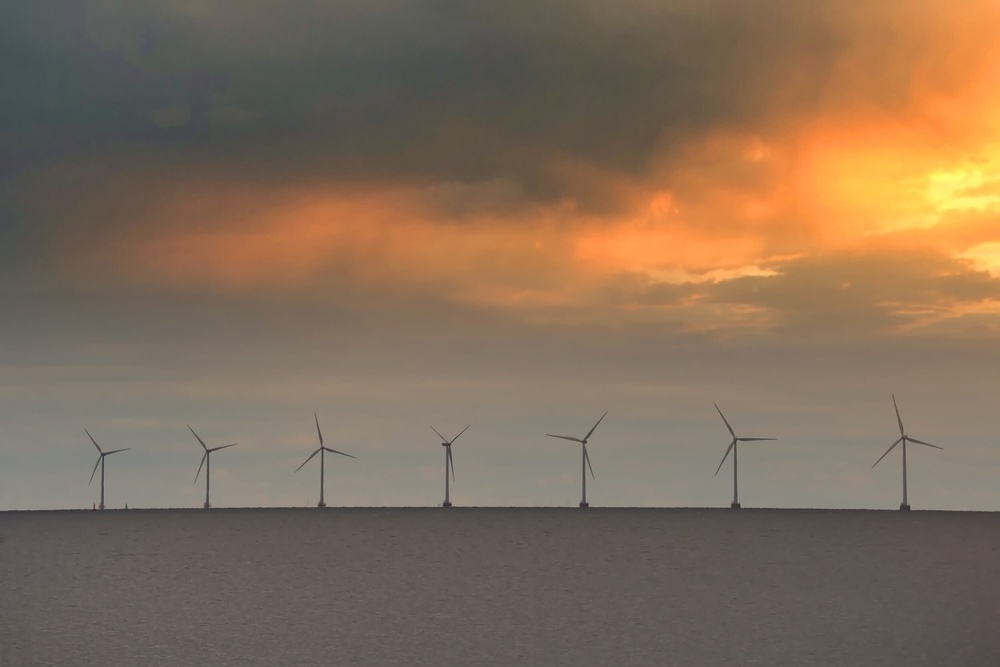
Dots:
pixel 403 214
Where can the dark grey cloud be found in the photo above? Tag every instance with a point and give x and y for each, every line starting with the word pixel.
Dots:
pixel 114 109
pixel 411 90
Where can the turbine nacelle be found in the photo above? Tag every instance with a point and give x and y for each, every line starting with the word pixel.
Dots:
pixel 736 439
pixel 322 447
pixel 902 436
pixel 100 457
pixel 445 442
pixel 208 451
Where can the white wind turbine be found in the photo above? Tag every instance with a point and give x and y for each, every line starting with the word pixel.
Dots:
pixel 732 447
pixel 100 462
pixel 206 461
pixel 903 438
pixel 321 451
pixel 449 463
pixel 586 458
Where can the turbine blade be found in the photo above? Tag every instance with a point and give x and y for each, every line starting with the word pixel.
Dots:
pixel 753 439
pixel 203 457
pixel 308 459
pixel 451 462
pixel 215 449
pixel 893 446
pixel 921 442
pixel 728 449
pixel 460 433
pixel 318 432
pixel 731 431
pixel 443 439
pixel 564 437
pixel 898 418
pixel 334 451
pixel 591 431
pixel 203 445
pixel 92 440
pixel 586 457
pixel 115 451
pixel 99 459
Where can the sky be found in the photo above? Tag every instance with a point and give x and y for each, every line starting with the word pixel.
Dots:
pixel 517 216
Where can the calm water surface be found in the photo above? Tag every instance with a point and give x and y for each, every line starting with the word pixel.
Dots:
pixel 468 587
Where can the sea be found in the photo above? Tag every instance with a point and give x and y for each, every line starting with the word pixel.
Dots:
pixel 496 586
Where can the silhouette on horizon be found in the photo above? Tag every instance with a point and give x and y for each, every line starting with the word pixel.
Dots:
pixel 733 448
pixel 903 438
pixel 321 451
pixel 206 460
pixel 449 463
pixel 100 462
pixel 585 463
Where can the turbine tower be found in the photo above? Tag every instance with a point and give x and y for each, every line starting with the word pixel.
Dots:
pixel 449 463
pixel 585 463
pixel 206 460
pixel 100 462
pixel 732 447
pixel 903 438
pixel 321 451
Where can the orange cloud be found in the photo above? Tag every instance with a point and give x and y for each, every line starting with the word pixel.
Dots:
pixel 899 155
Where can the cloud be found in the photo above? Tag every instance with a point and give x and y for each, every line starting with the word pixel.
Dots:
pixel 176 115
pixel 873 291
pixel 415 90
pixel 715 164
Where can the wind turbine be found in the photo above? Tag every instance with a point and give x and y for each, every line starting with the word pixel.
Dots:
pixel 206 461
pixel 100 462
pixel 449 463
pixel 586 458
pixel 903 438
pixel 732 447
pixel 322 449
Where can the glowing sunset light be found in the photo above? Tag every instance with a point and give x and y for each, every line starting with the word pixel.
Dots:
pixel 410 205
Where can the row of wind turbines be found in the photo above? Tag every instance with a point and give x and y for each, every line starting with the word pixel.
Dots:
pixel 449 464
pixel 733 447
